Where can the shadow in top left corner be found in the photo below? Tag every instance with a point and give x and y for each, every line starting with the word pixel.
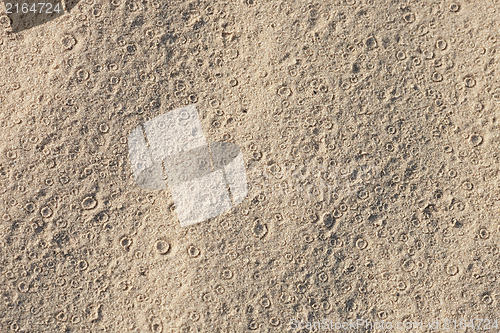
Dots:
pixel 26 14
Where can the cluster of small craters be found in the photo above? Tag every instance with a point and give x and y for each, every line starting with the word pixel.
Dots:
pixel 370 132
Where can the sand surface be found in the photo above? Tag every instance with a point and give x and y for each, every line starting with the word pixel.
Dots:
pixel 369 132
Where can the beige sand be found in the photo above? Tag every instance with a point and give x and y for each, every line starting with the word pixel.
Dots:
pixel 370 135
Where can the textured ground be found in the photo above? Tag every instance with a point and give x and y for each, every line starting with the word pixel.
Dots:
pixel 370 132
